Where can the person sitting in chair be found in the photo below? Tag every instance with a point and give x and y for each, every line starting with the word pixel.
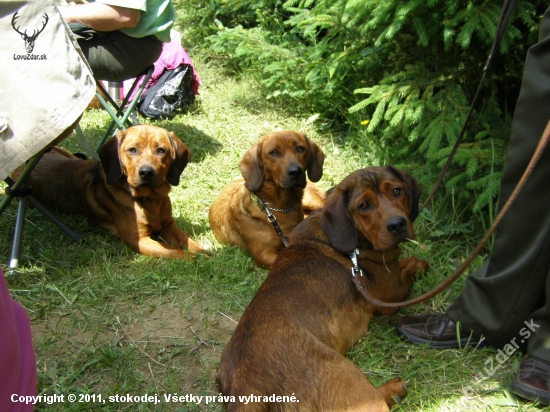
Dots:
pixel 120 38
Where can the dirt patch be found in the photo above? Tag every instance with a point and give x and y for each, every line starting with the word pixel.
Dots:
pixel 183 346
pixel 191 342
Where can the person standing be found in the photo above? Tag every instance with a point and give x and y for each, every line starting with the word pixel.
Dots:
pixel 511 291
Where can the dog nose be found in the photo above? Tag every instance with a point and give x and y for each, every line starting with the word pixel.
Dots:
pixel 295 172
pixel 146 172
pixel 397 225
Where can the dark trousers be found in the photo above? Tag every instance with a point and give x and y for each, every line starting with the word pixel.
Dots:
pixel 508 299
pixel 114 56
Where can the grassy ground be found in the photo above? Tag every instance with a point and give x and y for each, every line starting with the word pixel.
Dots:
pixel 107 321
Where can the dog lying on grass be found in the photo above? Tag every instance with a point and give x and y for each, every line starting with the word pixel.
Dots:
pixel 274 175
pixel 127 192
pixel 294 334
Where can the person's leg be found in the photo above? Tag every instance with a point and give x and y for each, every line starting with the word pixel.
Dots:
pixel 538 342
pixel 532 380
pixel 499 298
pixel 114 56
pixel 502 295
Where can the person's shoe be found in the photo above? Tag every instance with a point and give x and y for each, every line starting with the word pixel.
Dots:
pixel 532 381
pixel 436 331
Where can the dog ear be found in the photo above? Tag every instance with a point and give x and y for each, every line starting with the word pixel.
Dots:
pixel 315 163
pixel 413 191
pixel 181 157
pixel 337 223
pixel 108 154
pixel 252 168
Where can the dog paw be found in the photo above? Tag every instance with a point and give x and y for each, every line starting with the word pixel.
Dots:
pixel 393 391
pixel 206 254
pixel 412 267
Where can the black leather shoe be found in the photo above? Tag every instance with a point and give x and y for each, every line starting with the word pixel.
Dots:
pixel 532 380
pixel 436 331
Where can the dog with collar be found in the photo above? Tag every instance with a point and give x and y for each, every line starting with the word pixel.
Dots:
pixel 258 211
pixel 293 336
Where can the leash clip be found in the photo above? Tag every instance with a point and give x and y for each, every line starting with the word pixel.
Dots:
pixel 355 270
pixel 270 216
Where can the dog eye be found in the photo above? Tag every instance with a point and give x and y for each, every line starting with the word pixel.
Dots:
pixel 397 192
pixel 365 206
pixel 274 153
pixel 300 149
pixel 132 150
pixel 161 151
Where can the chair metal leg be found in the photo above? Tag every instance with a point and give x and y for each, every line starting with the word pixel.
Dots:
pixel 5 202
pixel 17 235
pixel 122 109
pixel 54 219
pixel 82 141
pixel 120 116
pixel 115 121
pixel 21 189
pixel 45 211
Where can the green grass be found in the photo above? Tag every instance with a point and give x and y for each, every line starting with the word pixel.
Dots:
pixel 108 321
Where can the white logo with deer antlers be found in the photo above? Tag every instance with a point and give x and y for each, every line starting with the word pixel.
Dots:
pixel 29 39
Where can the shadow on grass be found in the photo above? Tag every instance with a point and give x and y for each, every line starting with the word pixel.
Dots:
pixel 47 250
pixel 192 229
pixel 197 141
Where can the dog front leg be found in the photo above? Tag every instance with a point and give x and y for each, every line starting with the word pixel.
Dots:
pixel 393 391
pixel 151 247
pixel 177 237
pixel 412 268
pixel 264 257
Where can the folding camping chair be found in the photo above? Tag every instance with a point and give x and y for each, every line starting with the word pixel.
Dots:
pixel 40 104
pixel 120 113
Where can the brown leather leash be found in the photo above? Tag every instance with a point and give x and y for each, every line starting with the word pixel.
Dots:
pixel 271 217
pixel 357 274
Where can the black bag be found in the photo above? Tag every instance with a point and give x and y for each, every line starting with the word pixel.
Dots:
pixel 169 96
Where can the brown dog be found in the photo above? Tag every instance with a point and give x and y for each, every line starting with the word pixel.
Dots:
pixel 292 338
pixel 274 171
pixel 127 192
